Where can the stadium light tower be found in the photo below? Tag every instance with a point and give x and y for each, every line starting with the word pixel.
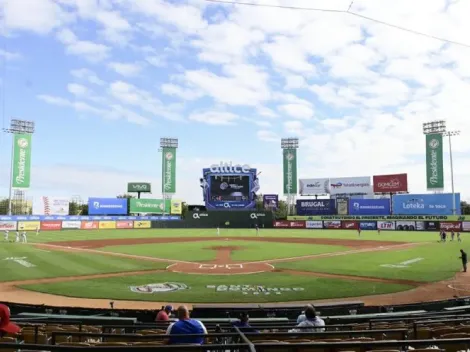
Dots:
pixel 166 143
pixel 16 127
pixel 291 144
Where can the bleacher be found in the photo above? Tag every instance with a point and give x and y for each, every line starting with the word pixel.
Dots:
pixel 446 330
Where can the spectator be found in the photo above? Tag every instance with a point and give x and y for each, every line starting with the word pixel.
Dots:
pixel 7 328
pixel 243 323
pixel 311 321
pixel 164 314
pixel 302 317
pixel 186 326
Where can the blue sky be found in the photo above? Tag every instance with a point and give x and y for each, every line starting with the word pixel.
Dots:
pixel 104 80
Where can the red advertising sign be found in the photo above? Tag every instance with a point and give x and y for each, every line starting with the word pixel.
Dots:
pixel 282 223
pixel 297 224
pixel 332 224
pixel 124 224
pixel 51 225
pixel 391 183
pixel 90 225
pixel 350 225
pixel 448 226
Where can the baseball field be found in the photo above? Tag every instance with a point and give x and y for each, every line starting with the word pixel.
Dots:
pixel 143 268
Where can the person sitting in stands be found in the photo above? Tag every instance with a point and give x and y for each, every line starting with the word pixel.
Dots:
pixel 186 326
pixel 7 328
pixel 164 314
pixel 302 317
pixel 311 322
pixel 243 323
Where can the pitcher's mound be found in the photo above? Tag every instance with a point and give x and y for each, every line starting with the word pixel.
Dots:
pixel 220 269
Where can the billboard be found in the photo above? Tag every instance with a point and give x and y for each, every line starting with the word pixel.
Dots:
pixel 451 226
pixel 270 201
pixel 90 225
pixel 8 225
pixel 386 225
pixel 316 207
pixel 342 206
pixel 406 225
pixel 51 225
pixel 350 225
pixel 29 225
pixel 176 207
pixel 431 225
pixel 420 226
pixel 168 170
pixel 289 171
pixel 144 224
pixel 465 226
pixel 154 206
pixel 51 206
pixel 369 207
pixel 107 206
pixel 314 224
pixel 21 166
pixel 425 204
pixel 368 225
pixel 333 224
pixel 314 186
pixel 350 185
pixel 139 187
pixel 434 162
pixel 129 224
pixel 390 183
pixel 103 225
pixel 74 224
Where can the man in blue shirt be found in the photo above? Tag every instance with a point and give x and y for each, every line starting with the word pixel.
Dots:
pixel 186 326
pixel 243 324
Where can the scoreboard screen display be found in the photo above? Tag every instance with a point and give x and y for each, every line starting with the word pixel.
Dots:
pixel 230 188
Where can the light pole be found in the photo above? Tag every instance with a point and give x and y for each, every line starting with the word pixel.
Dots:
pixel 291 144
pixel 450 134
pixel 16 127
pixel 166 143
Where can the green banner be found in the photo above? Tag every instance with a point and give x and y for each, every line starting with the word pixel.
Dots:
pixel 434 162
pixel 142 187
pixel 289 157
pixel 154 206
pixel 169 171
pixel 21 161
pixel 385 217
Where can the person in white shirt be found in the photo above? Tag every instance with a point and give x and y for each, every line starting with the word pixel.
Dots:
pixel 302 317
pixel 17 236
pixel 23 237
pixel 218 231
pixel 37 230
pixel 312 323
pixel 6 235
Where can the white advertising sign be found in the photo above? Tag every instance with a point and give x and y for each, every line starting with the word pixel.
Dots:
pixel 71 224
pixel 351 185
pixel 386 225
pixel 314 224
pixel 466 226
pixel 8 225
pixel 314 186
pixel 51 206
pixel 420 226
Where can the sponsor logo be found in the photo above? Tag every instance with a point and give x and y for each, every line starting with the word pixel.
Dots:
pixel 434 162
pixel 199 215
pixel 228 168
pixel 7 225
pixel 314 224
pixel 450 226
pixel 284 224
pixel 332 224
pixel 71 224
pixel 51 225
pixel 350 225
pixel 386 225
pixel 256 215
pixel 98 205
pixel 22 143
pixel 466 226
pixel 316 204
pixel 392 184
pixel 142 224
pixel 414 203
pixel 159 287
pixel 254 289
pixel 358 207
pixel 297 224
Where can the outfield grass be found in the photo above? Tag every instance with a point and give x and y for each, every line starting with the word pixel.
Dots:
pixel 201 251
pixel 55 264
pixel 314 288
pixel 440 262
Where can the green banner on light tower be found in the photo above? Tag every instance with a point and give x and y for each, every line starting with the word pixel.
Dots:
pixel 169 170
pixel 434 162
pixel 21 161
pixel 289 157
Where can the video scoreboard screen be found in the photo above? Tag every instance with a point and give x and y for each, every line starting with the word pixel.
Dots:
pixel 230 188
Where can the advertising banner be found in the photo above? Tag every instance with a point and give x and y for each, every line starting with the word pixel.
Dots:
pixel 350 185
pixel 96 218
pixel 21 177
pixel 90 225
pixel 431 225
pixel 316 207
pixel 342 206
pixel 51 206
pixel 8 225
pixel 282 224
pixel 314 224
pixel 449 226
pixel 107 206
pixel 154 206
pixel 334 224
pixel 124 224
pixel 176 207
pixel 169 170
pixel 29 225
pixel 314 186
pixel 139 187
pixel 350 225
pixel 434 162
pixel 297 224
pixel 406 225
pixel 420 226
pixel 270 201
pixel 51 225
pixel 104 225
pixel 466 226
pixel 369 207
pixel 386 225
pixel 289 157
pixel 143 224
pixel 425 204
pixel 71 224
pixel 368 225
pixel 390 183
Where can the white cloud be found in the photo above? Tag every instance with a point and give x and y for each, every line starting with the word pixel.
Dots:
pixel 126 69
pixel 90 51
pixel 219 118
pixel 183 93
pixel 77 89
pixel 298 111
pixel 9 56
pixel 87 75
pixel 268 136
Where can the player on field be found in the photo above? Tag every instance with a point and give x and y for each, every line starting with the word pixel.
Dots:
pixel 17 236
pixel 218 230
pixel 257 229
pixel 463 257
pixel 23 237
pixel 452 235
pixel 378 230
pixel 37 230
pixel 458 237
pixel 359 232
pixel 6 235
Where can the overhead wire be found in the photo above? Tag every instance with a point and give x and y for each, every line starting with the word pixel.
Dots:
pixel 347 12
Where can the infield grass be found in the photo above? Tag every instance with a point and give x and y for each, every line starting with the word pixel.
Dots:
pixel 314 288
